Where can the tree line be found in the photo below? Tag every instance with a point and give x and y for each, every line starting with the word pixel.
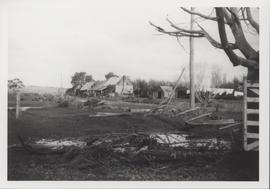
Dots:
pixel 145 88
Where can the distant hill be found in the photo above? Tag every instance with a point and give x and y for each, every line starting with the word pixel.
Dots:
pixel 42 90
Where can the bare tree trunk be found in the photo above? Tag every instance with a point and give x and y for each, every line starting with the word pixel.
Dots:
pixel 253 75
pixel 191 64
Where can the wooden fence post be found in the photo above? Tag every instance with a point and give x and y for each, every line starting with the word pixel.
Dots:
pixel 18 100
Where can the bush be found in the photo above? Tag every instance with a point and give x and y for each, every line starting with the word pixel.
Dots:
pixel 91 102
pixel 48 97
pixel 63 103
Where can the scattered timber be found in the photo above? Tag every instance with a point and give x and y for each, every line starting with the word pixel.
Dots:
pixel 187 111
pixel 229 126
pixel 212 122
pixel 39 149
pixel 113 114
pixel 140 110
pixel 167 101
pixel 199 116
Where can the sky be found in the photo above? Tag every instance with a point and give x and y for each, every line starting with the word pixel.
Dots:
pixel 49 41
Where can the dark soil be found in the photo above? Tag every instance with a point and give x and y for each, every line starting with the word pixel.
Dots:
pixel 56 122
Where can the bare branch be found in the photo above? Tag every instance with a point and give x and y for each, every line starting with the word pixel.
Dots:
pixel 181 32
pixel 236 60
pixel 239 35
pixel 204 33
pixel 184 30
pixel 199 14
pixel 179 42
pixel 245 20
pixel 252 22
pixel 214 42
pixel 227 16
pixel 178 33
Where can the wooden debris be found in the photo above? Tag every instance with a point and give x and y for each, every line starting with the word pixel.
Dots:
pixel 199 116
pixel 229 126
pixel 213 122
pixel 175 87
pixel 140 110
pixel 167 101
pixel 187 111
pixel 39 149
pixel 109 114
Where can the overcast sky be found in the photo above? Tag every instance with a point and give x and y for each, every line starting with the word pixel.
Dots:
pixel 49 40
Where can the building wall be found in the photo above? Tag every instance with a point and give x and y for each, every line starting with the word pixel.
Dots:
pixel 124 89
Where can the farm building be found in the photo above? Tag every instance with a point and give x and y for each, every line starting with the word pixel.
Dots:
pixel 75 90
pixel 87 87
pixel 163 92
pixel 114 86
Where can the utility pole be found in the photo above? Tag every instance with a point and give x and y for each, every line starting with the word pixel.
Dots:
pixel 191 64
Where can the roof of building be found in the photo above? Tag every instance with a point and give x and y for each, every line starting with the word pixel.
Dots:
pixel 87 86
pixel 111 81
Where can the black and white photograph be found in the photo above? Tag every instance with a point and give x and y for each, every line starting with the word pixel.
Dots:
pixel 136 91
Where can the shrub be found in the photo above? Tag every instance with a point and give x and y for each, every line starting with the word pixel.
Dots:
pixel 63 103
pixel 91 102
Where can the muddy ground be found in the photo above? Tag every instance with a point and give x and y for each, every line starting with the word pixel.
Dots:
pixel 52 122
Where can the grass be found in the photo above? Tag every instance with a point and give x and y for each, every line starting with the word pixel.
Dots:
pixel 56 122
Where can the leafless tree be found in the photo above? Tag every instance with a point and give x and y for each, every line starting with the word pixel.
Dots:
pixel 232 18
pixel 216 79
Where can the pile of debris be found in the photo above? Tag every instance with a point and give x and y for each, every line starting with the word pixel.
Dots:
pixel 137 148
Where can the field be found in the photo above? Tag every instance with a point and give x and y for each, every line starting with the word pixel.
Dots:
pixel 96 163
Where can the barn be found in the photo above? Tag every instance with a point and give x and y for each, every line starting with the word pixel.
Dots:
pixel 87 88
pixel 163 92
pixel 120 86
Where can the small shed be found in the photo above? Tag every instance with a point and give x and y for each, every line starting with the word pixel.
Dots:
pixel 163 92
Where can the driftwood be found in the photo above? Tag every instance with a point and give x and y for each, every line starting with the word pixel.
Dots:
pixel 212 122
pixel 199 116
